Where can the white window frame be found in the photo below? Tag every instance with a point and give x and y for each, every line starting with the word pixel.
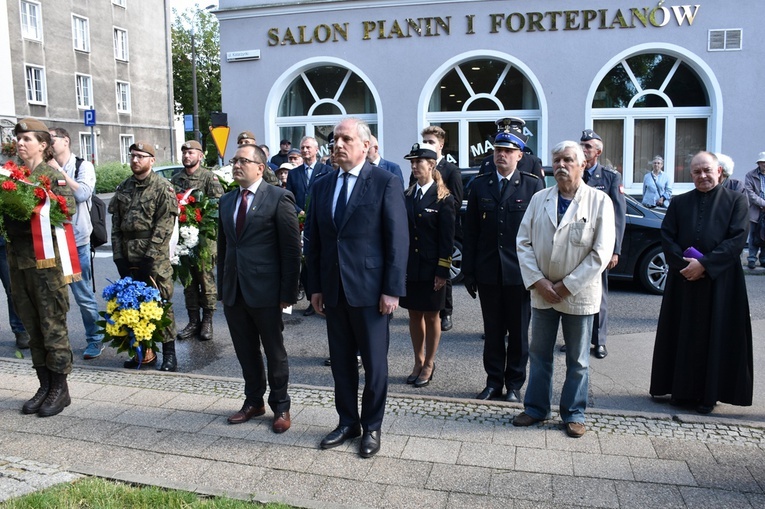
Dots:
pixel 43 89
pixel 121 51
pixel 119 97
pixel 84 102
pixel 80 43
pixel 725 32
pixel 120 3
pixel 126 140
pixel 85 138
pixel 26 28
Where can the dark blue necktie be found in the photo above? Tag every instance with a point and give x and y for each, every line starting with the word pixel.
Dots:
pixel 341 200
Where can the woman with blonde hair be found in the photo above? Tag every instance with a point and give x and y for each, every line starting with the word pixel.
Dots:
pixel 432 212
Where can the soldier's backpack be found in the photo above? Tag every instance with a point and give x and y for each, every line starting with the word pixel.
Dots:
pixel 99 236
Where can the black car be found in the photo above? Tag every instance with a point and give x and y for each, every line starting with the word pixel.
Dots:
pixel 642 258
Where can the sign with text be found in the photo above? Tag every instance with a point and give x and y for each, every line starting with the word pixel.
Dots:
pixel 90 117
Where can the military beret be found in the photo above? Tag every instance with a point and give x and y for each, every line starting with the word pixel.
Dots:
pixel 143 146
pixel 421 152
pixel 191 145
pixel 245 135
pixel 589 134
pixel 30 125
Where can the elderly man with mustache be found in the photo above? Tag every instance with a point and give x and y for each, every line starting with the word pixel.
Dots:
pixel 565 241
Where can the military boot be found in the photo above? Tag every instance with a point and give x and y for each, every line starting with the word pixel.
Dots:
pixel 169 361
pixel 58 396
pixel 206 330
pixel 192 329
pixel 34 404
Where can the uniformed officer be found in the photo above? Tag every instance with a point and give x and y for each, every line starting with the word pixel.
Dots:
pixel 496 204
pixel 38 286
pixel 201 292
pixel 529 163
pixel 144 209
pixel 610 182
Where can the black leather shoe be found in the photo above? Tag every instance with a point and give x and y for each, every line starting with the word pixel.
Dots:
pixel 600 351
pixel 705 409
pixel 370 444
pixel 446 323
pixel 513 396
pixel 339 435
pixel 309 311
pixel 562 348
pixel 169 362
pixel 489 393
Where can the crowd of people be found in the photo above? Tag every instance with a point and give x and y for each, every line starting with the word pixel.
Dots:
pixel 536 257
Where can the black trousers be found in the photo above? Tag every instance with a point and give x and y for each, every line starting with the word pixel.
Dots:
pixel 249 328
pixel 600 324
pixel 506 310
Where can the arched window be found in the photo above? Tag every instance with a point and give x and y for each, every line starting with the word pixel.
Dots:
pixel 471 95
pixel 652 104
pixel 320 97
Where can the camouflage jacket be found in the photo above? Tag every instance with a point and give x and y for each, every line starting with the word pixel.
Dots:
pixel 143 216
pixel 21 252
pixel 202 179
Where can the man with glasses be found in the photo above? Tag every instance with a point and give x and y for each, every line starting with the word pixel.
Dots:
pixel 247 138
pixel 610 182
pixel 80 176
pixel 200 293
pixel 258 272
pixel 144 209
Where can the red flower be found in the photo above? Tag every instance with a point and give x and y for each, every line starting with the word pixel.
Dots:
pixel 62 204
pixel 198 215
pixel 9 186
pixel 190 199
pixel 45 181
pixel 179 196
pixel 182 218
pixel 40 193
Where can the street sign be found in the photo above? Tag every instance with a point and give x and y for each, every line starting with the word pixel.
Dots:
pixel 90 117
pixel 188 123
pixel 220 137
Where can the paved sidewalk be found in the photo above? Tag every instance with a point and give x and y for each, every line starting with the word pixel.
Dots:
pixel 170 430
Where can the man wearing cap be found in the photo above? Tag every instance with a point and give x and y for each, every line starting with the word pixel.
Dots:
pixel 496 204
pixel 610 182
pixel 754 183
pixel 80 176
pixel 144 209
pixel 38 278
pixel 200 293
pixel 435 137
pixel 283 172
pixel 374 158
pixel 281 157
pixel 529 163
pixel 247 138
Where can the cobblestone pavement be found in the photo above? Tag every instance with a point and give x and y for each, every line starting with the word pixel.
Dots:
pixel 169 430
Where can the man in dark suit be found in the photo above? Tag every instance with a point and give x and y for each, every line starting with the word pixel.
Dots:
pixel 610 182
pixel 258 271
pixel 299 182
pixel 450 173
pixel 374 158
pixel 496 204
pixel 529 163
pixel 357 256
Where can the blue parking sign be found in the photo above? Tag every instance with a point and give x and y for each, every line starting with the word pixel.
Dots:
pixel 90 117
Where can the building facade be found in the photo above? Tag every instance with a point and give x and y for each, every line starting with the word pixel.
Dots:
pixel 64 57
pixel 666 78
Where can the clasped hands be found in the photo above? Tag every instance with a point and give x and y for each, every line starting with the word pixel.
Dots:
pixel 552 292
pixel 694 270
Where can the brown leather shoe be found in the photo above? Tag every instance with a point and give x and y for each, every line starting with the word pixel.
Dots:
pixel 524 419
pixel 575 429
pixel 246 413
pixel 281 422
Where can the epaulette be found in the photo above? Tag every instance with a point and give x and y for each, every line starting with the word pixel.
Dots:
pixel 530 175
pixel 608 168
pixel 481 175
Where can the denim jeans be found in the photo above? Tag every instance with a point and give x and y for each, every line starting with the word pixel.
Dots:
pixel 577 331
pixel 752 258
pixel 85 298
pixel 5 276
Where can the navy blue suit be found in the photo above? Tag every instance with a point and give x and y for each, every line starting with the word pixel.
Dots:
pixel 300 186
pixel 610 182
pixel 352 266
pixel 392 168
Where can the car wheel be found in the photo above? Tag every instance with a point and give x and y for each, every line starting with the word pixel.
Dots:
pixel 455 271
pixel 653 271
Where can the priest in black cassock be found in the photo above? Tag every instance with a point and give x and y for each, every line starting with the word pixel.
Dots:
pixel 703 349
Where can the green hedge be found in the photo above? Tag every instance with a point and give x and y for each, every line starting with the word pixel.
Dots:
pixel 109 175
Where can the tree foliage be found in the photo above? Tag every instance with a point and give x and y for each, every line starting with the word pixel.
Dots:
pixel 207 43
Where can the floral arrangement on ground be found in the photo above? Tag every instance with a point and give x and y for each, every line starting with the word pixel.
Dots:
pixel 135 317
pixel 21 195
pixel 198 232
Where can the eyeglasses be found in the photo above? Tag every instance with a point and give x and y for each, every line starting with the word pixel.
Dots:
pixel 140 157
pixel 241 160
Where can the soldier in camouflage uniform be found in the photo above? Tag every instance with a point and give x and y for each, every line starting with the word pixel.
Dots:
pixel 201 292
pixel 144 209
pixel 38 287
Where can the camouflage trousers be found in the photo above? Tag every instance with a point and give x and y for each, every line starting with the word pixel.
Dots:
pixel 201 292
pixel 41 299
